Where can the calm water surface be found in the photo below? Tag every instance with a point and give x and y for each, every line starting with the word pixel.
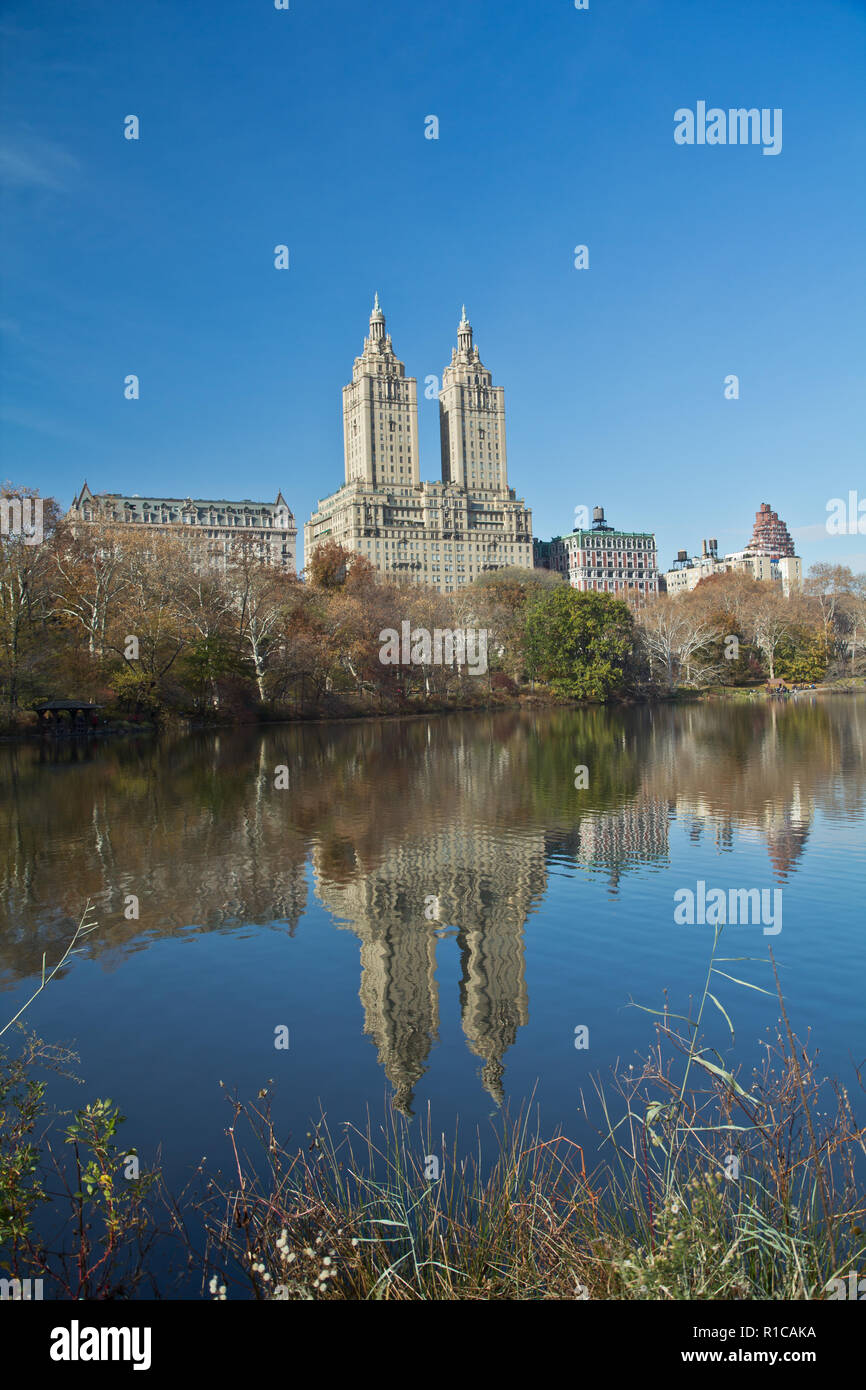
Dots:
pixel 430 907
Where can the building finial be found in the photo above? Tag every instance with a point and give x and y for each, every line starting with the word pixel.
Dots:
pixel 377 324
pixel 464 334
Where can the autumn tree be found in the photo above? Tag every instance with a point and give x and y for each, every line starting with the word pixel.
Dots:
pixel 213 653
pixel 771 626
pixel 148 626
pixel 259 593
pixel 328 566
pixel 829 586
pixel 500 598
pixel 91 575
pixel 855 624
pixel 678 639
pixel 26 610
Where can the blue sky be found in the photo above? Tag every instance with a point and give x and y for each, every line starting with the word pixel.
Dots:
pixel 306 127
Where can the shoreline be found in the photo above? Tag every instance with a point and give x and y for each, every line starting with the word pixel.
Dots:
pixel 732 695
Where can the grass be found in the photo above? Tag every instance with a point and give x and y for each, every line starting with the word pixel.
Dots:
pixel 708 1186
pixel 707 1189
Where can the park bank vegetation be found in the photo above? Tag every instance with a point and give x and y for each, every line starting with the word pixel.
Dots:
pixel 125 619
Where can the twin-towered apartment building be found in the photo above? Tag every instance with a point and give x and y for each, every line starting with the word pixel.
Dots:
pixel 442 534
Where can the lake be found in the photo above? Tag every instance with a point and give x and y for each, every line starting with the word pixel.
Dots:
pixel 430 907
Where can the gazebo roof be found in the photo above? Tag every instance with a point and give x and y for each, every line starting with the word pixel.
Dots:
pixel 44 705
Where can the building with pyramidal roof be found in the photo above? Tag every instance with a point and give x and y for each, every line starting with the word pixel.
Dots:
pixel 769 534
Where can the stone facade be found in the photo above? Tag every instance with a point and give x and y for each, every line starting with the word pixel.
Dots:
pixel 443 534
pixel 213 527
pixel 472 420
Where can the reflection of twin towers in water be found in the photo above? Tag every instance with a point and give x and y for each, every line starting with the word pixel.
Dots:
pixel 483 882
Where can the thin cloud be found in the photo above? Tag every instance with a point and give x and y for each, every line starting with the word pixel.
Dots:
pixel 26 161
pixel 810 533
pixel 40 424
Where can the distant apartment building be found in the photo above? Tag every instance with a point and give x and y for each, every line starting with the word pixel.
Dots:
pixel 214 528
pixel 767 556
pixel 770 535
pixel 602 559
pixel 442 534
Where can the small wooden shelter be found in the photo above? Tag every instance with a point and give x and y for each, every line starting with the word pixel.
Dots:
pixel 51 713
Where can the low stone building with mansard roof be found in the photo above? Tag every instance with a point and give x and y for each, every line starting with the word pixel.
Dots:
pixel 214 526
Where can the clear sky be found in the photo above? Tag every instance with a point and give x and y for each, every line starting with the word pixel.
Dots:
pixel 307 127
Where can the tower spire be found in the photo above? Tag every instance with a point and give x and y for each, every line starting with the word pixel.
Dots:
pixel 377 322
pixel 464 334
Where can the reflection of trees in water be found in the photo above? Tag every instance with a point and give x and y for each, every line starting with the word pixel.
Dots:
pixel 764 767
pixel 467 810
pixel 186 827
